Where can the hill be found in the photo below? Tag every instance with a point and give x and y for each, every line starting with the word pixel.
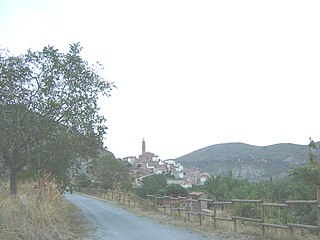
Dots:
pixel 247 161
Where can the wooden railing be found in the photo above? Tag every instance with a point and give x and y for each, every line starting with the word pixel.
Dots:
pixel 180 207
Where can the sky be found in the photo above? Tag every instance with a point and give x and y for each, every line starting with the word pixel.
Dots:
pixel 189 74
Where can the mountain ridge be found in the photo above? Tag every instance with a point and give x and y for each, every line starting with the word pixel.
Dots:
pixel 247 161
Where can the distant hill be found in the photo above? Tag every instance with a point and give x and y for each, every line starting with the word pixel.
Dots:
pixel 247 161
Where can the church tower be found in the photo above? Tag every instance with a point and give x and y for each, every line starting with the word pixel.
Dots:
pixel 143 147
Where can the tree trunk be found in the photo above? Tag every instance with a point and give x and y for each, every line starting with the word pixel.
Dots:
pixel 13 183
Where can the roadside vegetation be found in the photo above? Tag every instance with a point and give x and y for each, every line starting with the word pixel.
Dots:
pixel 39 212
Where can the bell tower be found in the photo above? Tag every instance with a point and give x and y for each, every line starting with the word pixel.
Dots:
pixel 143 147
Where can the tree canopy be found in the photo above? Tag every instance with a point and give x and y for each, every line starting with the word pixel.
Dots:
pixel 309 175
pixel 174 190
pixel 151 185
pixel 49 112
pixel 111 173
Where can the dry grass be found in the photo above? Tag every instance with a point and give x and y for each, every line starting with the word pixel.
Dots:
pixel 38 212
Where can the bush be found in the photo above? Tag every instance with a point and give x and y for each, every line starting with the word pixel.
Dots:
pixel 151 185
pixel 173 190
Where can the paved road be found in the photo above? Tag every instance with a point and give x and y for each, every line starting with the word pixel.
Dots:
pixel 113 223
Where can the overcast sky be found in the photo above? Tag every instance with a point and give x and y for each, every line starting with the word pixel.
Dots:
pixel 189 73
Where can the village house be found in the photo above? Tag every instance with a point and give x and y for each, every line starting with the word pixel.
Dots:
pixel 186 184
pixel 204 177
pixel 193 175
pixel 131 159
pixel 176 174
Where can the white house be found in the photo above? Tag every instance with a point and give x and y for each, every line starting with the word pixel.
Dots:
pixel 179 167
pixel 171 162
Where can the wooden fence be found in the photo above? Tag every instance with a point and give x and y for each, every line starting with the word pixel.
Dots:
pixel 180 208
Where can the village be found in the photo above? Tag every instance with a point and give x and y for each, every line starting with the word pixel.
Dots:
pixel 149 163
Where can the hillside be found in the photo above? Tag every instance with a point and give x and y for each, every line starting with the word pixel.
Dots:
pixel 247 161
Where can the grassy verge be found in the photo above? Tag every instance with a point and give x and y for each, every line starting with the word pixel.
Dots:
pixel 76 222
pixel 39 212
pixel 224 230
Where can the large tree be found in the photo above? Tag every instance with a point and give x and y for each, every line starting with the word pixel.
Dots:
pixel 151 185
pixel 49 111
pixel 111 173
pixel 309 175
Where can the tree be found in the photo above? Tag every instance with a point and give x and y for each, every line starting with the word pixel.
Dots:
pixel 173 190
pixel 49 109
pixel 151 185
pixel 111 173
pixel 309 174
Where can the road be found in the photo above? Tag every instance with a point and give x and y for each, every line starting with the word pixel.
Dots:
pixel 114 223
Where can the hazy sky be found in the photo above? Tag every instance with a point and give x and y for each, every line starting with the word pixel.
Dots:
pixel 189 73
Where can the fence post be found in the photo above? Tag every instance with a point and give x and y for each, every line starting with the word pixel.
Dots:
pixel 200 219
pixel 134 201
pixel 129 199
pixel 235 229
pixel 290 217
pixel 149 201
pixel 165 203
pixel 263 221
pixel 215 215
pixel 318 209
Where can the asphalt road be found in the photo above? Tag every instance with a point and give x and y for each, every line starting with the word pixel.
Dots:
pixel 113 223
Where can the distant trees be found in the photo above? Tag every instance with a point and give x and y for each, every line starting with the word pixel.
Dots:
pixel 307 178
pixel 226 187
pixel 157 185
pixel 310 174
pixel 111 173
pixel 49 110
pixel 151 185
pixel 173 190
